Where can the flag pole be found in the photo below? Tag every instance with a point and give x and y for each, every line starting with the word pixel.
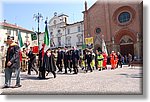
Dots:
pixel 104 49
pixel 46 34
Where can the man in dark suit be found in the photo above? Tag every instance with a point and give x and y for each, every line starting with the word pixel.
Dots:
pixel 88 58
pixel 69 60
pixel 119 60
pixel 66 59
pixel 59 60
pixel 75 60
pixel 32 62
pixel 12 63
pixel 41 69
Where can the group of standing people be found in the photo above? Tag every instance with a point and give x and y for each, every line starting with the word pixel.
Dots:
pixel 117 60
pixel 51 60
pixel 100 60
pixel 91 60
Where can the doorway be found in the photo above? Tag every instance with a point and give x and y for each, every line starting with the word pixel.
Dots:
pixel 125 49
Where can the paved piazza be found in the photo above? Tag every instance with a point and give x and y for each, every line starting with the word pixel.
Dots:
pixel 119 81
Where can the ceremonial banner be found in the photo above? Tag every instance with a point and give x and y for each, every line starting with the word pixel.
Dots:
pixel 89 42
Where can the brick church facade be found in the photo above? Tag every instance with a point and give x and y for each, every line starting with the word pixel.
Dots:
pixel 119 23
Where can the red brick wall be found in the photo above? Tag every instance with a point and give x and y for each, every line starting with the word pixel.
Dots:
pixel 133 26
pixel 104 15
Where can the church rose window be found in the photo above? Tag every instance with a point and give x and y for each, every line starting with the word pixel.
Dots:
pixel 124 17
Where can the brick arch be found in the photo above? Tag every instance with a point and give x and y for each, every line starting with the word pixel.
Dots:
pixel 123 32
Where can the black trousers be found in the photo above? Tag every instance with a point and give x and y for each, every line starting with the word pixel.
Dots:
pixel 119 63
pixel 75 66
pixel 53 72
pixel 96 62
pixel 59 65
pixel 31 66
pixel 89 67
pixel 65 66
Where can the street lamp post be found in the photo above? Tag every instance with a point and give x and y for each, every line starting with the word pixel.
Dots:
pixel 37 18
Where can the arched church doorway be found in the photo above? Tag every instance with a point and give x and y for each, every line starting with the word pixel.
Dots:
pixel 126 45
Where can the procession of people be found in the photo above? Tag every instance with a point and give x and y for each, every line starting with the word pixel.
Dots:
pixel 62 60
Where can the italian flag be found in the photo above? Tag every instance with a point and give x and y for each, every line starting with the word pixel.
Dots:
pixel 46 36
pixel 20 39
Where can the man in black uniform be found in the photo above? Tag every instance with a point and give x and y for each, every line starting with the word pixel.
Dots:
pixel 32 62
pixel 88 58
pixel 59 60
pixel 119 60
pixel 41 69
pixel 75 60
pixel 66 58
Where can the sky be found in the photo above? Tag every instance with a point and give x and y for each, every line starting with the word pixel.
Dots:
pixel 21 12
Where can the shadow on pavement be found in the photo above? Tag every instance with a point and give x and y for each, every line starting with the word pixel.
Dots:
pixel 34 78
pixel 139 75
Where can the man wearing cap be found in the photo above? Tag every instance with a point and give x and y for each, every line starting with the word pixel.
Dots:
pixel 12 62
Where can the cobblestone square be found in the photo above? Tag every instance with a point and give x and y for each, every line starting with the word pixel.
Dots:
pixel 119 81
